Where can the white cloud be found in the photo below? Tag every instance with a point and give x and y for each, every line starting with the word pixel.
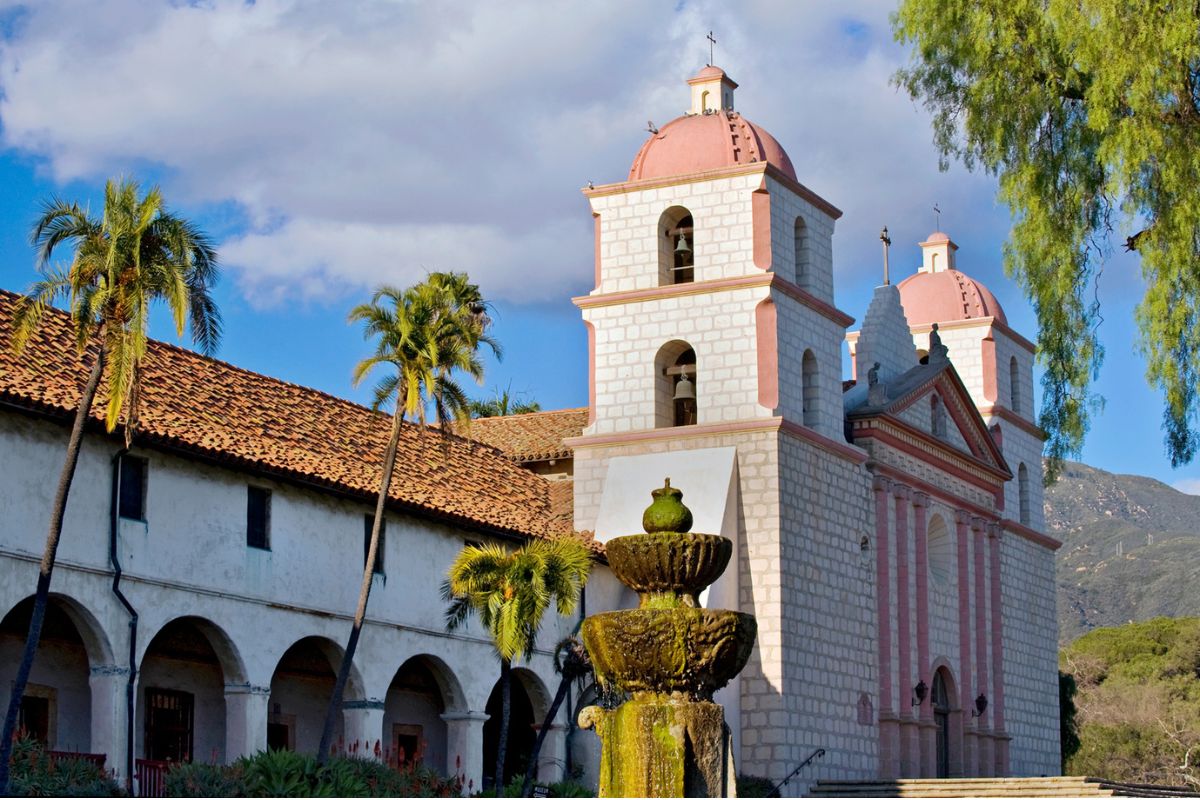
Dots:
pixel 1187 485
pixel 376 141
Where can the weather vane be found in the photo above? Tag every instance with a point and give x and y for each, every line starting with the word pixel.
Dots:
pixel 887 242
pixel 712 41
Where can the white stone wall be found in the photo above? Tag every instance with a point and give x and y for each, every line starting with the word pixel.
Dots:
pixel 828 620
pixel 884 337
pixel 786 207
pixel 943 596
pixel 190 560
pixel 800 329
pixel 719 326
pixel 920 416
pixel 629 222
pixel 1030 656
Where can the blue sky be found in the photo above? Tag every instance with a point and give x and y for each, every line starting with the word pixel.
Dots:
pixel 329 148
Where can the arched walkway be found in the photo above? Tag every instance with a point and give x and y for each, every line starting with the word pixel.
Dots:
pixel 528 706
pixel 423 689
pixel 181 692
pixel 57 705
pixel 300 690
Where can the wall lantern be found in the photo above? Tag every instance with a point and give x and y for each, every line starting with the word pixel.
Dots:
pixel 919 693
pixel 981 704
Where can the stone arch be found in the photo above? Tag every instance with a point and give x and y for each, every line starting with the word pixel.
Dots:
pixel 948 737
pixel 937 417
pixel 57 703
pixel 809 378
pixel 301 685
pixel 182 677
pixel 1023 493
pixel 529 702
pixel 676 247
pixel 802 260
pixel 675 362
pixel 227 653
pixel 423 689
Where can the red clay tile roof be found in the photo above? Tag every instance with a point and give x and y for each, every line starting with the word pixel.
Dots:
pixel 530 437
pixel 214 410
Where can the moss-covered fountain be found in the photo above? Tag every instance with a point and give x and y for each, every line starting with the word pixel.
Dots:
pixel 666 658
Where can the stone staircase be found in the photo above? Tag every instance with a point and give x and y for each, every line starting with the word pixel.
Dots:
pixel 1065 786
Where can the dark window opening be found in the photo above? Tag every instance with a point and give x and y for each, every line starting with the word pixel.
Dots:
pixel 684 377
pixel 169 725
pixel 368 524
pixel 34 718
pixel 132 497
pixel 279 736
pixel 258 517
pixel 683 254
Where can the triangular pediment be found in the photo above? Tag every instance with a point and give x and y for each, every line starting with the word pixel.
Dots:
pixel 908 401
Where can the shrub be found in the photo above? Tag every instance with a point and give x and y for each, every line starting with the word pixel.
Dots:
pixel 34 773
pixel 282 773
pixel 205 780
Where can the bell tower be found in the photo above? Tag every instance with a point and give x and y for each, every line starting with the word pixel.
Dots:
pixel 714 359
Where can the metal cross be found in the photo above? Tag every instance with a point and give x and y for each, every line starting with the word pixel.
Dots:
pixel 937 218
pixel 711 43
pixel 887 242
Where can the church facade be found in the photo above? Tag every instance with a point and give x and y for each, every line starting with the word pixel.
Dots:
pixel 888 528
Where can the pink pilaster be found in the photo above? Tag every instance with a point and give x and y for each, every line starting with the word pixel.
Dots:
pixel 962 533
pixel 1000 735
pixel 986 765
pixel 927 736
pixel 889 733
pixel 910 766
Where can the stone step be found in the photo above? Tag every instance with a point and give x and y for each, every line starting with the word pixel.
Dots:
pixel 1059 786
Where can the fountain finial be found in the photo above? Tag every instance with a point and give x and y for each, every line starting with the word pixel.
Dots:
pixel 667 514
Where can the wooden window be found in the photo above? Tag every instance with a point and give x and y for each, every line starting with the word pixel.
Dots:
pixel 258 517
pixel 368 523
pixel 169 725
pixel 36 715
pixel 132 495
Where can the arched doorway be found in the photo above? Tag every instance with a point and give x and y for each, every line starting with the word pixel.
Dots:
pixel 56 708
pixel 941 699
pixel 423 689
pixel 181 692
pixel 527 709
pixel 300 690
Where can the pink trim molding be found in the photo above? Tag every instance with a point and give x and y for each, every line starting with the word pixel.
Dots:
pixel 760 213
pixel 765 326
pixel 966 701
pixel 851 454
pixel 596 228
pixel 1025 532
pixel 997 627
pixel 591 334
pixel 888 746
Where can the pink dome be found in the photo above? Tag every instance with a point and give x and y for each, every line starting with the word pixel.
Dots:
pixel 946 296
pixel 700 142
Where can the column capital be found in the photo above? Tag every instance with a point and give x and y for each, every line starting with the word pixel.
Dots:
pixel 962 517
pixel 247 688
pixel 978 524
pixel 994 530
pixel 901 492
pixel 920 499
pixel 881 484
pixel 370 704
pixel 465 716
pixel 109 671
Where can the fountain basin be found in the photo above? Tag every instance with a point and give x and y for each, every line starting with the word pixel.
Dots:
pixel 668 568
pixel 694 651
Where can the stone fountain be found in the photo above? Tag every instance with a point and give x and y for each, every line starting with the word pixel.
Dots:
pixel 666 658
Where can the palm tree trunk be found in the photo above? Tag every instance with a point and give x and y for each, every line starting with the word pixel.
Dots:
pixel 505 709
pixel 364 592
pixel 531 768
pixel 42 597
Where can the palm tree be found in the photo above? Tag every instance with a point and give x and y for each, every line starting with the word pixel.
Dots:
pixel 503 403
pixel 136 254
pixel 424 335
pixel 511 591
pixel 574 665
